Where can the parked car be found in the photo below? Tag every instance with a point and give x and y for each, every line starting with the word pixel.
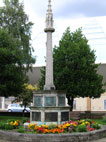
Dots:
pixel 17 108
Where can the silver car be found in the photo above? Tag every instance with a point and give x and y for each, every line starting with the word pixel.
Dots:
pixel 17 108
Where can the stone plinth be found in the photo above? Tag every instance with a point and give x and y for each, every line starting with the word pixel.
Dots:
pixel 50 107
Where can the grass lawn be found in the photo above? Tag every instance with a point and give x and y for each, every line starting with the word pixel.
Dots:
pixel 6 118
pixel 100 121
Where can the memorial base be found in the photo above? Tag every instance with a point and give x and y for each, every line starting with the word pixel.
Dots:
pixel 49 107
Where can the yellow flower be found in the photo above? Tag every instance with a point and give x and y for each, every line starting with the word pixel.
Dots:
pixel 87 123
pixel 11 123
pixel 74 125
pixel 30 87
pixel 79 121
pixel 45 126
pixel 67 125
pixel 64 127
pixel 31 125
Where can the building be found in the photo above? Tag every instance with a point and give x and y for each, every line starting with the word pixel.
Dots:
pixel 99 104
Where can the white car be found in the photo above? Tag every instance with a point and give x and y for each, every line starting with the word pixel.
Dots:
pixel 17 108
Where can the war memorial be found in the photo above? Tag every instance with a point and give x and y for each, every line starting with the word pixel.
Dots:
pixel 49 105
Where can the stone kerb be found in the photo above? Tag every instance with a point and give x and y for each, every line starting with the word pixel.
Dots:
pixel 74 137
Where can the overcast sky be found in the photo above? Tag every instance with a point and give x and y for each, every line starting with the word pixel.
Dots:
pixel 66 13
pixel 69 8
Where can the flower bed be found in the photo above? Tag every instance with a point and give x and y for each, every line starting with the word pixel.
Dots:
pixel 67 127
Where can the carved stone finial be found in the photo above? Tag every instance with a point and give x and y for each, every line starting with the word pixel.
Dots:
pixel 49 16
pixel 49 2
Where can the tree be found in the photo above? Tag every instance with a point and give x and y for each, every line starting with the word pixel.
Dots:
pixel 74 67
pixel 14 19
pixel 12 72
pixel 42 79
pixel 27 95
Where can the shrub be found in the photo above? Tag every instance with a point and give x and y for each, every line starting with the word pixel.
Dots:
pixel 21 130
pixel 5 126
pixel 104 119
pixel 10 120
pixel 89 120
pixel 8 127
pixel 82 128
pixel 24 120
pixel 96 126
pixel 52 126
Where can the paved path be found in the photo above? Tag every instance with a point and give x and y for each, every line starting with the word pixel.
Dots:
pixel 100 140
pixel 3 141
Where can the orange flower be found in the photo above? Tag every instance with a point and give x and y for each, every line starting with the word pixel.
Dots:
pixel 57 131
pixel 36 127
pixel 46 131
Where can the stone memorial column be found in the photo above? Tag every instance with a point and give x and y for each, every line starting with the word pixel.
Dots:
pixel 49 85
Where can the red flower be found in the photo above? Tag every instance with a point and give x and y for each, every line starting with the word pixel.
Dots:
pixel 28 121
pixel 91 129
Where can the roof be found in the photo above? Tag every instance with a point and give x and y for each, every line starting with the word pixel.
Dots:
pixel 35 75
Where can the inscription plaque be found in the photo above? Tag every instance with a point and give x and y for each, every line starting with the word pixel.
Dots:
pixel 61 101
pixel 38 101
pixel 64 116
pixel 36 116
pixel 50 101
pixel 51 116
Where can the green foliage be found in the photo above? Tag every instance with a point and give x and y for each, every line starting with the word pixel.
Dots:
pixel 82 128
pixel 104 119
pixel 15 48
pixel 16 22
pixel 9 120
pixel 96 126
pixel 42 80
pixel 74 67
pixel 6 119
pixel 21 129
pixel 12 72
pixel 24 120
pixel 5 126
pixel 89 120
pixel 52 126
pixel 26 97
pixel 27 94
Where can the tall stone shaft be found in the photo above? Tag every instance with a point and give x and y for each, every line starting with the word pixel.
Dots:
pixel 49 85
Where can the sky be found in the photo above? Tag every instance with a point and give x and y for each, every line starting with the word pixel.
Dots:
pixel 73 13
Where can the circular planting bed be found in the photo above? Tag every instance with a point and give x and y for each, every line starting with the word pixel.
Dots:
pixel 73 131
pixel 73 137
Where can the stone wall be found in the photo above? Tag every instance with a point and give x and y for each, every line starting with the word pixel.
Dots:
pixel 87 114
pixel 74 137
